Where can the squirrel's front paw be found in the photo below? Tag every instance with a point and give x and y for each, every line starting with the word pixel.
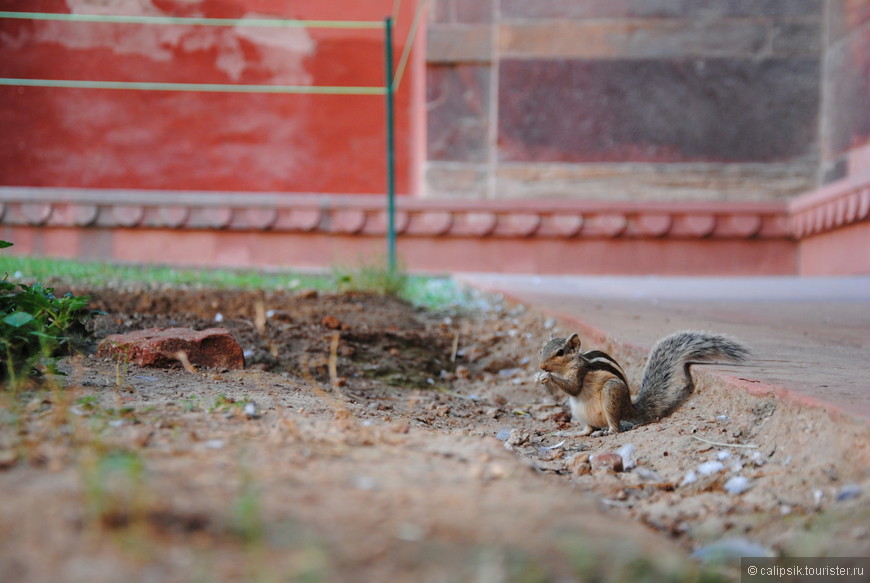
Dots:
pixel 543 377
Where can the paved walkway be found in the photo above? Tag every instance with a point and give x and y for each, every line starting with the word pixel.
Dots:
pixel 811 335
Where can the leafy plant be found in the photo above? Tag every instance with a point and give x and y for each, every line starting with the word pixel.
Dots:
pixel 35 326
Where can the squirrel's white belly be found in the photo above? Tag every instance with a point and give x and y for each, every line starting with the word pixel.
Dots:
pixel 587 411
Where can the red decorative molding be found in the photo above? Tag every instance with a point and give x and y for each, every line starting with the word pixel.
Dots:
pixel 831 207
pixel 365 215
pixel 527 236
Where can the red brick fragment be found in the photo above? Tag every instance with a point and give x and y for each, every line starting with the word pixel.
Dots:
pixel 211 348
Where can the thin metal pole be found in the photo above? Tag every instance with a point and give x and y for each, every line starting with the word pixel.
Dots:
pixel 391 148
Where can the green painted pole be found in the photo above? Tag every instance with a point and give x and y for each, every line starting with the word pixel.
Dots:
pixel 391 148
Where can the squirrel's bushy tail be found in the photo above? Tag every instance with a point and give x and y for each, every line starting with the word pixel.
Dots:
pixel 667 382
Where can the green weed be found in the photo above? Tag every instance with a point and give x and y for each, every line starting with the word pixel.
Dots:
pixel 224 404
pixel 114 488
pixel 376 277
pixel 35 327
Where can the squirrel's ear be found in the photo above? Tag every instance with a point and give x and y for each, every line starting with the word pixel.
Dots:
pixel 573 342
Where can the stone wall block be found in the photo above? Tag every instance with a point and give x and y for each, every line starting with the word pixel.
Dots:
pixel 695 225
pixel 298 219
pixel 566 224
pixel 347 221
pixel 73 215
pixel 173 216
pixel 128 215
pixel 431 223
pixel 739 225
pixel 475 224
pixel 260 218
pixel 653 225
pixel 35 213
pixel 518 224
pixel 606 225
pixel 377 222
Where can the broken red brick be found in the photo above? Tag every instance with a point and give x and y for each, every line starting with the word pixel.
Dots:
pixel 211 348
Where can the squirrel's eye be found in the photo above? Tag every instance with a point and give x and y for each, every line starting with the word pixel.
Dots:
pixel 560 352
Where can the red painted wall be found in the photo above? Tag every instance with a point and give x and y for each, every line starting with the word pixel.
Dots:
pixel 201 141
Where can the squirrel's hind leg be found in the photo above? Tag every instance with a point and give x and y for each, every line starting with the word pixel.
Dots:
pixel 616 402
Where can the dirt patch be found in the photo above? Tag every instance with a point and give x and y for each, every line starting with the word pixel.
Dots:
pixel 428 453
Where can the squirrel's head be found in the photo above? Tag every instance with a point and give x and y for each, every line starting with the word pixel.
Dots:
pixel 558 353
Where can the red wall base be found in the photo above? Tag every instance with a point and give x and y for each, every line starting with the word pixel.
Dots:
pixel 419 254
pixel 845 251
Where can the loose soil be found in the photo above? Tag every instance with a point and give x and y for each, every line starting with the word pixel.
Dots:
pixel 367 440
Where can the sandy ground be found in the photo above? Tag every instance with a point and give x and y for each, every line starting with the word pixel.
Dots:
pixel 427 454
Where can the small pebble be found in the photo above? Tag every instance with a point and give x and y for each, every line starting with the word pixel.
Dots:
pixel 551 447
pixel 731 550
pixel 215 443
pixel 7 458
pixel 626 452
pixel 690 478
pixel 410 532
pixel 848 492
pixel 648 474
pixel 517 437
pixel 492 413
pixel 503 434
pixel 218 317
pixel 366 483
pixel 606 461
pixel 709 468
pixel 578 464
pixel 251 411
pixel 737 485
